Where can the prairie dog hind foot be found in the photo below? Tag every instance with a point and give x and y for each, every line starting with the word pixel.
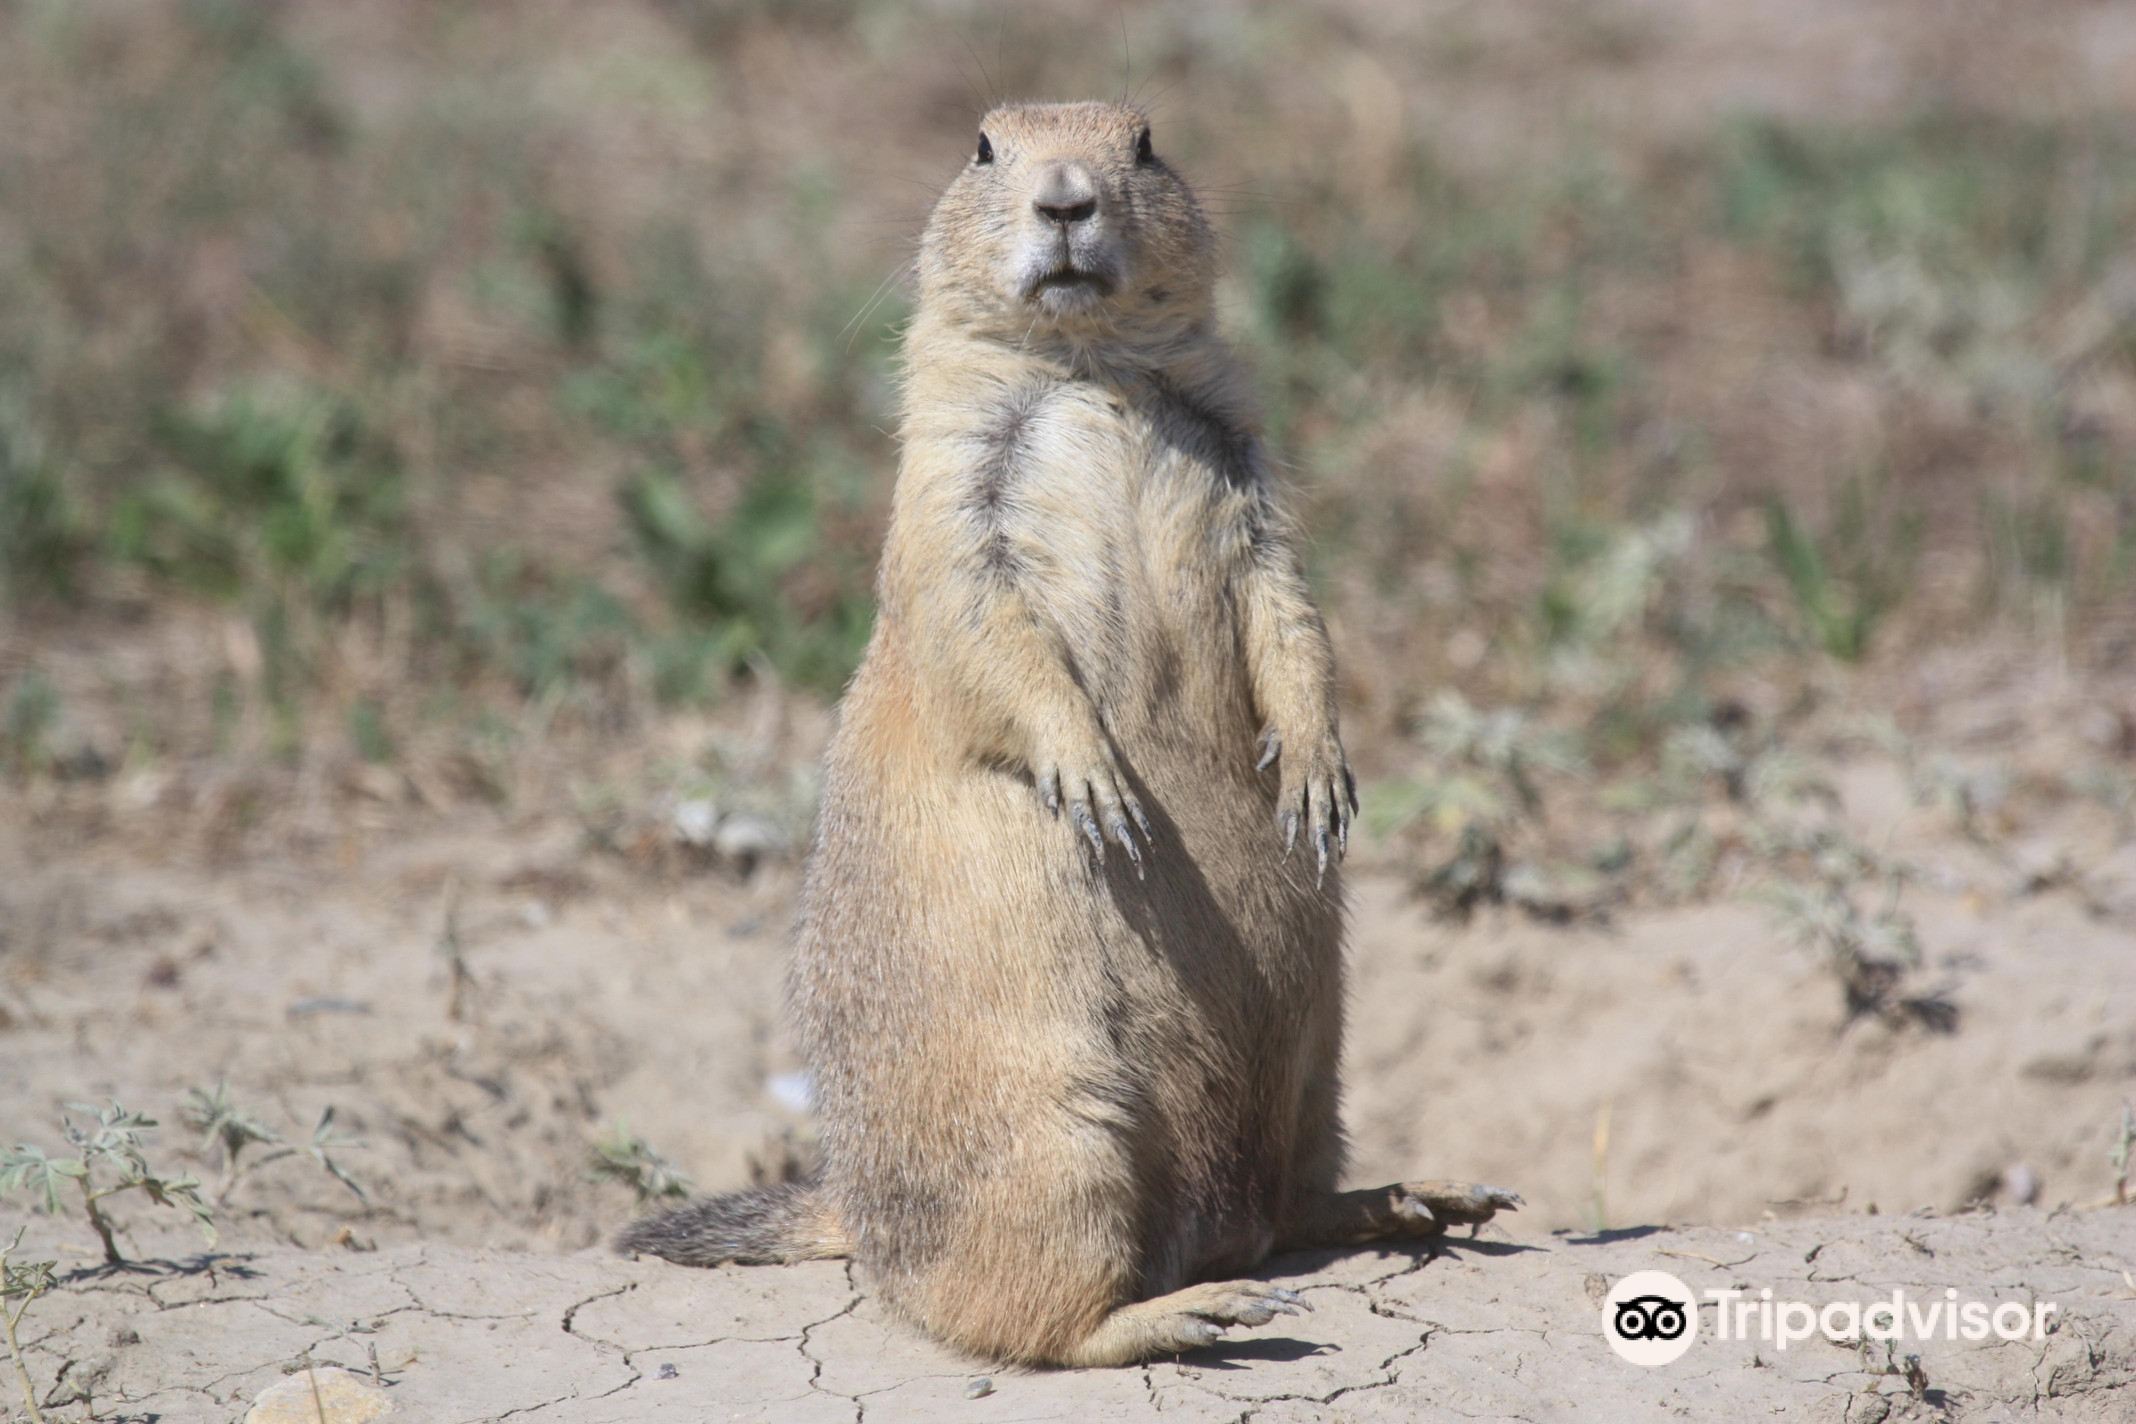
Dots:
pixel 1184 1320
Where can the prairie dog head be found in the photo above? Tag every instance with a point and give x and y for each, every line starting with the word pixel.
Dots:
pixel 1066 217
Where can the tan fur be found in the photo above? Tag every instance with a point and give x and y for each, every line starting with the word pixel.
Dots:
pixel 1067 1065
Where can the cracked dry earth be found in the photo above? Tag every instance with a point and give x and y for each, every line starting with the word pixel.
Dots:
pixel 1500 1327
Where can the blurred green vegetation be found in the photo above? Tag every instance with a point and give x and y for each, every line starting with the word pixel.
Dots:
pixel 346 368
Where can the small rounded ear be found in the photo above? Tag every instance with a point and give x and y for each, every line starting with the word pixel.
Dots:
pixel 1143 152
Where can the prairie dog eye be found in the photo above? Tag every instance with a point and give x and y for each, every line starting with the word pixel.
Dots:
pixel 986 150
pixel 1143 152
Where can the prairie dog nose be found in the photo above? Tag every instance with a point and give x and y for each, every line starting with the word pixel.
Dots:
pixel 1066 193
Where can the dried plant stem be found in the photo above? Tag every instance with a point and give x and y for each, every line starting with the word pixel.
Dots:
pixel 318 1404
pixel 8 1320
pixel 22 1370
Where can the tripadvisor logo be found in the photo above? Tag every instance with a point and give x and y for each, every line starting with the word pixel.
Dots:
pixel 1649 1319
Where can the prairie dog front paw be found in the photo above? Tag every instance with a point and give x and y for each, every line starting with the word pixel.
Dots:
pixel 1317 790
pixel 1081 775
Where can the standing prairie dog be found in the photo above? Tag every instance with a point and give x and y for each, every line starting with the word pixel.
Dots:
pixel 1070 964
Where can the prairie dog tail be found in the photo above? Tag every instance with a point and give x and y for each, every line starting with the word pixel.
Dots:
pixel 763 1226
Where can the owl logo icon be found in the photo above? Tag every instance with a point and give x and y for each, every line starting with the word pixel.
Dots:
pixel 1649 1318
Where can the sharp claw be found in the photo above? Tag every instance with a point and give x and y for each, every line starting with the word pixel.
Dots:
pixel 1289 822
pixel 1349 780
pixel 1271 748
pixel 1342 837
pixel 1089 827
pixel 1134 808
pixel 1126 838
pixel 1320 841
pixel 1049 791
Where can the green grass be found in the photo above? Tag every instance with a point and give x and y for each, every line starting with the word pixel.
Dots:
pixel 44 532
pixel 727 583
pixel 1845 576
pixel 27 720
pixel 277 487
pixel 444 380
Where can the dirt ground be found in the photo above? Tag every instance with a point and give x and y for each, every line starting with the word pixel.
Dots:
pixel 1679 1066
pixel 1500 1327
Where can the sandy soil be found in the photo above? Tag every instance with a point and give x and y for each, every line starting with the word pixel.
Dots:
pixel 1711 1054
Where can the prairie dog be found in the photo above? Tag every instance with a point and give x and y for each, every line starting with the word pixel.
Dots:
pixel 1069 973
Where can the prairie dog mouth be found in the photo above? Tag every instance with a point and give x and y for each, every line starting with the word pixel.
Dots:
pixel 1073 279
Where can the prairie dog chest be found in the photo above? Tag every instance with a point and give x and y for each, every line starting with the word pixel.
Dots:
pixel 1118 505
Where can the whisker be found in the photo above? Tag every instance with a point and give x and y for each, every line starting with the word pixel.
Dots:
pixel 1127 59
pixel 993 92
pixel 850 332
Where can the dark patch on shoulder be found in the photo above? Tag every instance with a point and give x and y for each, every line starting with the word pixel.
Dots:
pixel 993 493
pixel 1210 434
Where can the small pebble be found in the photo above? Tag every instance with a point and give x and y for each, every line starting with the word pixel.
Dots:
pixel 323 1393
pixel 668 1372
pixel 2021 1184
pixel 744 838
pixel 695 822
pixel 979 1388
